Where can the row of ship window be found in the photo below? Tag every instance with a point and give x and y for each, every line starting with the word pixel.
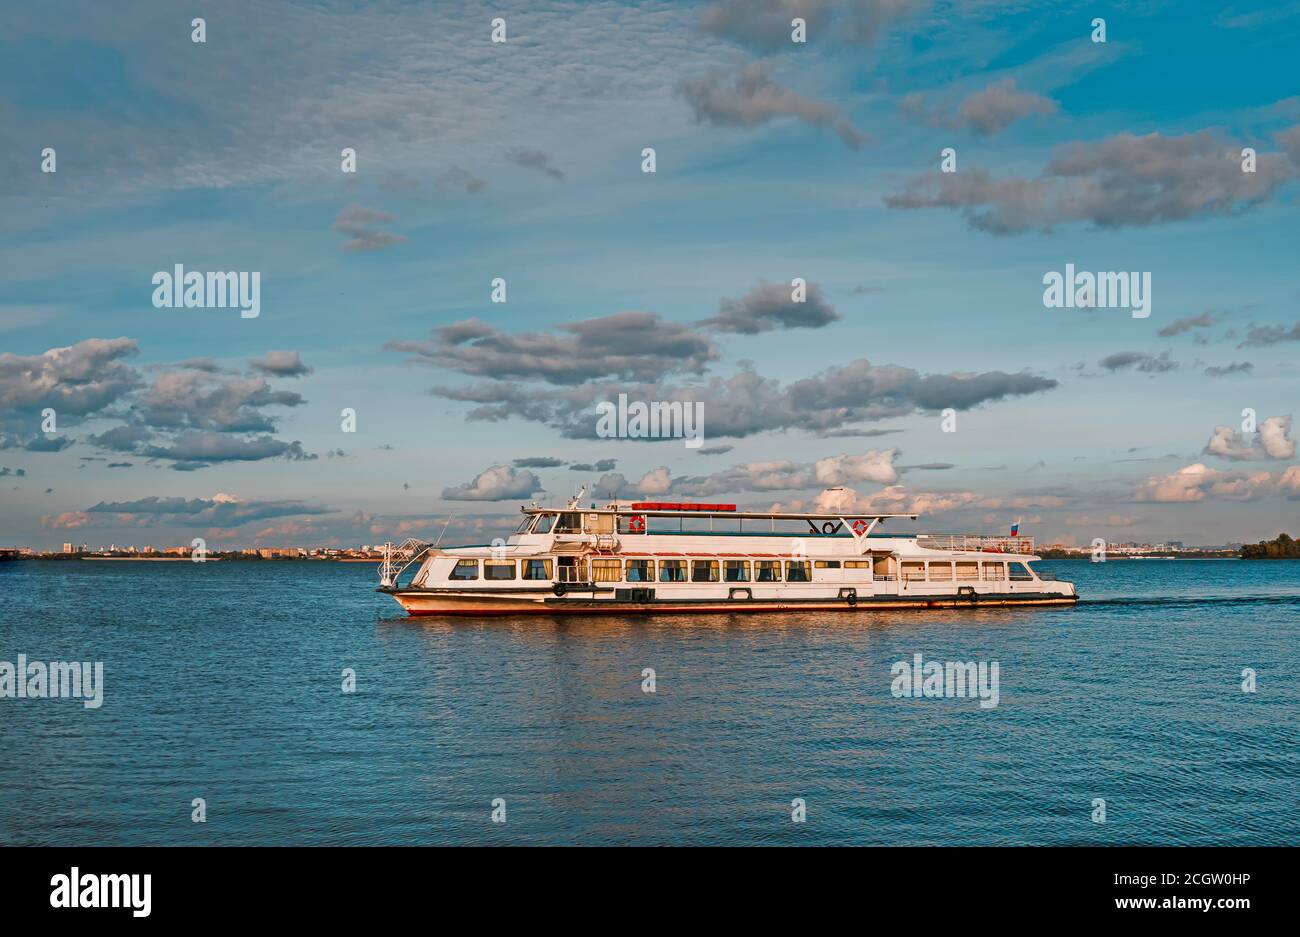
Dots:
pixel 644 570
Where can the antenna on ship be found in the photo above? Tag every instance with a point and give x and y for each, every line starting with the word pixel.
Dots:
pixel 444 529
pixel 576 500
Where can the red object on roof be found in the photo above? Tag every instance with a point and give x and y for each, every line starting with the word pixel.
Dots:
pixel 680 506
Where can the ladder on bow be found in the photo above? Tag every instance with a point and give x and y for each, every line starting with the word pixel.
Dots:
pixel 398 558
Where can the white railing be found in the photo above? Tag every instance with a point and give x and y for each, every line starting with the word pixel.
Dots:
pixel 397 558
pixel 977 543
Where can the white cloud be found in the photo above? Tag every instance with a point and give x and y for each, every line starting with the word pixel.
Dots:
pixel 497 483
pixel 1273 441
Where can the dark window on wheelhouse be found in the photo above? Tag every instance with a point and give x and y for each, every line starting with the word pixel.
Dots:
pixel 544 522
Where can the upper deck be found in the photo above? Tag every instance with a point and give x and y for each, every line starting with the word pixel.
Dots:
pixel 646 525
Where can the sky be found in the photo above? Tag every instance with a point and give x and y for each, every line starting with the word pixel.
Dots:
pixel 380 392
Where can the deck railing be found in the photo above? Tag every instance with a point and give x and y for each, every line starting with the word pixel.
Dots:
pixel 397 558
pixel 977 543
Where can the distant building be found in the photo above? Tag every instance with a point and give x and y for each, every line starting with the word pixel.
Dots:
pixel 67 547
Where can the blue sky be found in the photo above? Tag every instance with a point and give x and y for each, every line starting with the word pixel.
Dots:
pixel 522 160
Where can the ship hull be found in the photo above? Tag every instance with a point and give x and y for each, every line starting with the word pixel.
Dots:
pixel 452 605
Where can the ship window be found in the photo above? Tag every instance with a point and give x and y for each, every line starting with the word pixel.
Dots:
pixel 913 571
pixel 464 569
pixel 606 570
pixel 569 524
pixel 544 522
pixel 735 571
pixel 767 571
pixel 857 571
pixel 941 572
pixel 672 570
pixel 1021 573
pixel 995 572
pixel 968 572
pixel 524 524
pixel 498 569
pixel 537 569
pixel 828 564
pixel 640 571
pixel 704 571
pixel 797 572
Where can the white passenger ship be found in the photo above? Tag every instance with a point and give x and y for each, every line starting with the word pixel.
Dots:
pixel 657 557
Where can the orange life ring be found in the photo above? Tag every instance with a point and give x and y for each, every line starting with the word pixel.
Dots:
pixel 636 523
pixel 860 527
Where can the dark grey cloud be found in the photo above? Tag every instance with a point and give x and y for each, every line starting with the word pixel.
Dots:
pixel 218 511
pixel 856 431
pixel 533 159
pixel 358 224
pixel 37 442
pixel 771 305
pixel 1142 361
pixel 201 364
pixel 748 403
pixel 750 98
pixel 1187 324
pixel 124 438
pixel 612 485
pixel 1261 336
pixel 626 345
pixel 538 462
pixel 192 450
pixel 6 471
pixel 196 400
pixel 764 25
pixel 1121 181
pixel 280 364
pixel 497 483
pixel 601 465
pixel 458 178
pixel 1237 367
pixel 986 112
pixel 714 450
pixel 75 381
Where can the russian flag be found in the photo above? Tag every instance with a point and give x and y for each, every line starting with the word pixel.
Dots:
pixel 1015 529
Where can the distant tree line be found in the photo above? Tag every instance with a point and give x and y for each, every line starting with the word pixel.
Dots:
pixel 1283 548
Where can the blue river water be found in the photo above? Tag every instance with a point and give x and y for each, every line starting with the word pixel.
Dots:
pixel 223 681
